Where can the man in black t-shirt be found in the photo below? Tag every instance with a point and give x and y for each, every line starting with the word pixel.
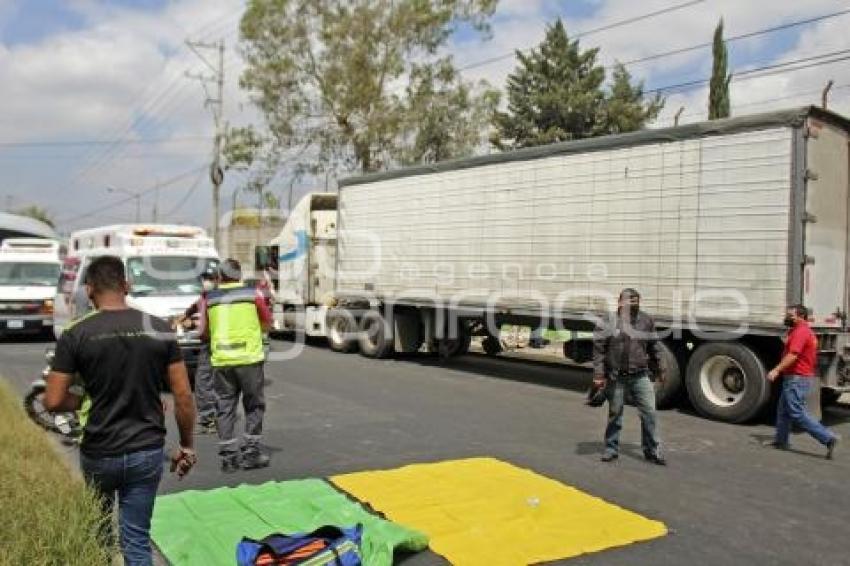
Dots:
pixel 123 357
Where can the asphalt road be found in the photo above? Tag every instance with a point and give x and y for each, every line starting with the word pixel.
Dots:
pixel 724 497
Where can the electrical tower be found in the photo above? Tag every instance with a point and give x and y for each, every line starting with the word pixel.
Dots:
pixel 215 102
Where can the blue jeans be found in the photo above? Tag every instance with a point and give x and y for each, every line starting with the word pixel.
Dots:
pixel 640 389
pixel 135 478
pixel 792 409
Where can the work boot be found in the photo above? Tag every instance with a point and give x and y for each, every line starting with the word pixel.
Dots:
pixel 206 427
pixel 230 463
pixel 831 446
pixel 253 458
pixel 655 459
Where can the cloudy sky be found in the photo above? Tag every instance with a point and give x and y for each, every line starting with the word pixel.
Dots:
pixel 94 93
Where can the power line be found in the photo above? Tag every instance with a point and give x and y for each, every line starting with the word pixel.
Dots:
pixel 592 31
pixel 179 97
pixel 129 156
pixel 735 38
pixel 173 89
pixel 77 143
pixel 187 196
pixel 756 73
pixel 123 201
pixel 206 30
pixel 761 102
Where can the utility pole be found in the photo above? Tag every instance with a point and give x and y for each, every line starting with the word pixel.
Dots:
pixel 216 104
pixel 155 212
pixel 825 94
pixel 289 197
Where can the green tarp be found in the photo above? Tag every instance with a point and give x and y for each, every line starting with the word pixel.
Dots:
pixel 203 527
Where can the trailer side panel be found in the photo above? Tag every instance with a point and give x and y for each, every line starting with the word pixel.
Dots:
pixel 699 226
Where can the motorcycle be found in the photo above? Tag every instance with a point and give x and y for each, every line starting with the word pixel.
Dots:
pixel 65 424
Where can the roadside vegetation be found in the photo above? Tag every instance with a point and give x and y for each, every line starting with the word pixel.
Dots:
pixel 48 514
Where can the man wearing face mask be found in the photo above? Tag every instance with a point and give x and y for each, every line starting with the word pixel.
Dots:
pixel 625 353
pixel 205 397
pixel 797 368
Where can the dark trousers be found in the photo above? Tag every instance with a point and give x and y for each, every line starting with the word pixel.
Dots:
pixel 134 478
pixel 205 401
pixel 230 383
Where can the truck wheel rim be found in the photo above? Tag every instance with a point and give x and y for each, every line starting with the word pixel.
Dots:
pixel 371 329
pixel 336 331
pixel 723 381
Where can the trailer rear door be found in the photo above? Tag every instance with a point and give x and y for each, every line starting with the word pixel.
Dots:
pixel 825 281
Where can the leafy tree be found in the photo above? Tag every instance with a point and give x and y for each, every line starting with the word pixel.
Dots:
pixel 270 201
pixel 718 94
pixel 241 147
pixel 38 213
pixel 350 80
pixel 556 93
pixel 446 115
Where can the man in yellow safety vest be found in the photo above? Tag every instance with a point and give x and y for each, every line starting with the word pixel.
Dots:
pixel 234 317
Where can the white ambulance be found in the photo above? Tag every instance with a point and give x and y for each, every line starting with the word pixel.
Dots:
pixel 29 270
pixel 163 264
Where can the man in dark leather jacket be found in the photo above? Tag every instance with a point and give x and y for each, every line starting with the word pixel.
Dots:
pixel 625 352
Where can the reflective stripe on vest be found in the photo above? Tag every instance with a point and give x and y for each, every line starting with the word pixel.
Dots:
pixel 236 337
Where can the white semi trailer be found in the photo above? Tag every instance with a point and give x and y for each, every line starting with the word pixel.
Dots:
pixel 719 226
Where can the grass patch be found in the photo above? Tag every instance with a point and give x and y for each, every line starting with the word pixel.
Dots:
pixel 48 515
pixel 549 334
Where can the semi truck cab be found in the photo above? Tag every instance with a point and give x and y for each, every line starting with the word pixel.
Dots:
pixel 301 262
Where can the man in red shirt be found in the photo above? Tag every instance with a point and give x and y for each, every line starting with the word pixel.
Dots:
pixel 797 368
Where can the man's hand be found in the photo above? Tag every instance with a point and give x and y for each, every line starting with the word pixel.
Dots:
pixel 184 404
pixel 184 322
pixel 599 380
pixel 182 461
pixel 660 377
pixel 772 374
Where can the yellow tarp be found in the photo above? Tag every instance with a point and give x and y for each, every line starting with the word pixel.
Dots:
pixel 488 512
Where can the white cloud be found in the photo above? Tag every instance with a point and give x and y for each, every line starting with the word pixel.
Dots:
pixel 120 77
pixel 123 73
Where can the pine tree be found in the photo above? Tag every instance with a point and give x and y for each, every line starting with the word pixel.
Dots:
pixel 556 93
pixel 718 95
pixel 625 109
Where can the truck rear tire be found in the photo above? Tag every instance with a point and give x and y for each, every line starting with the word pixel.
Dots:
pixel 829 396
pixel 667 394
pixel 341 331
pixel 491 345
pixel 376 336
pixel 450 347
pixel 726 381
